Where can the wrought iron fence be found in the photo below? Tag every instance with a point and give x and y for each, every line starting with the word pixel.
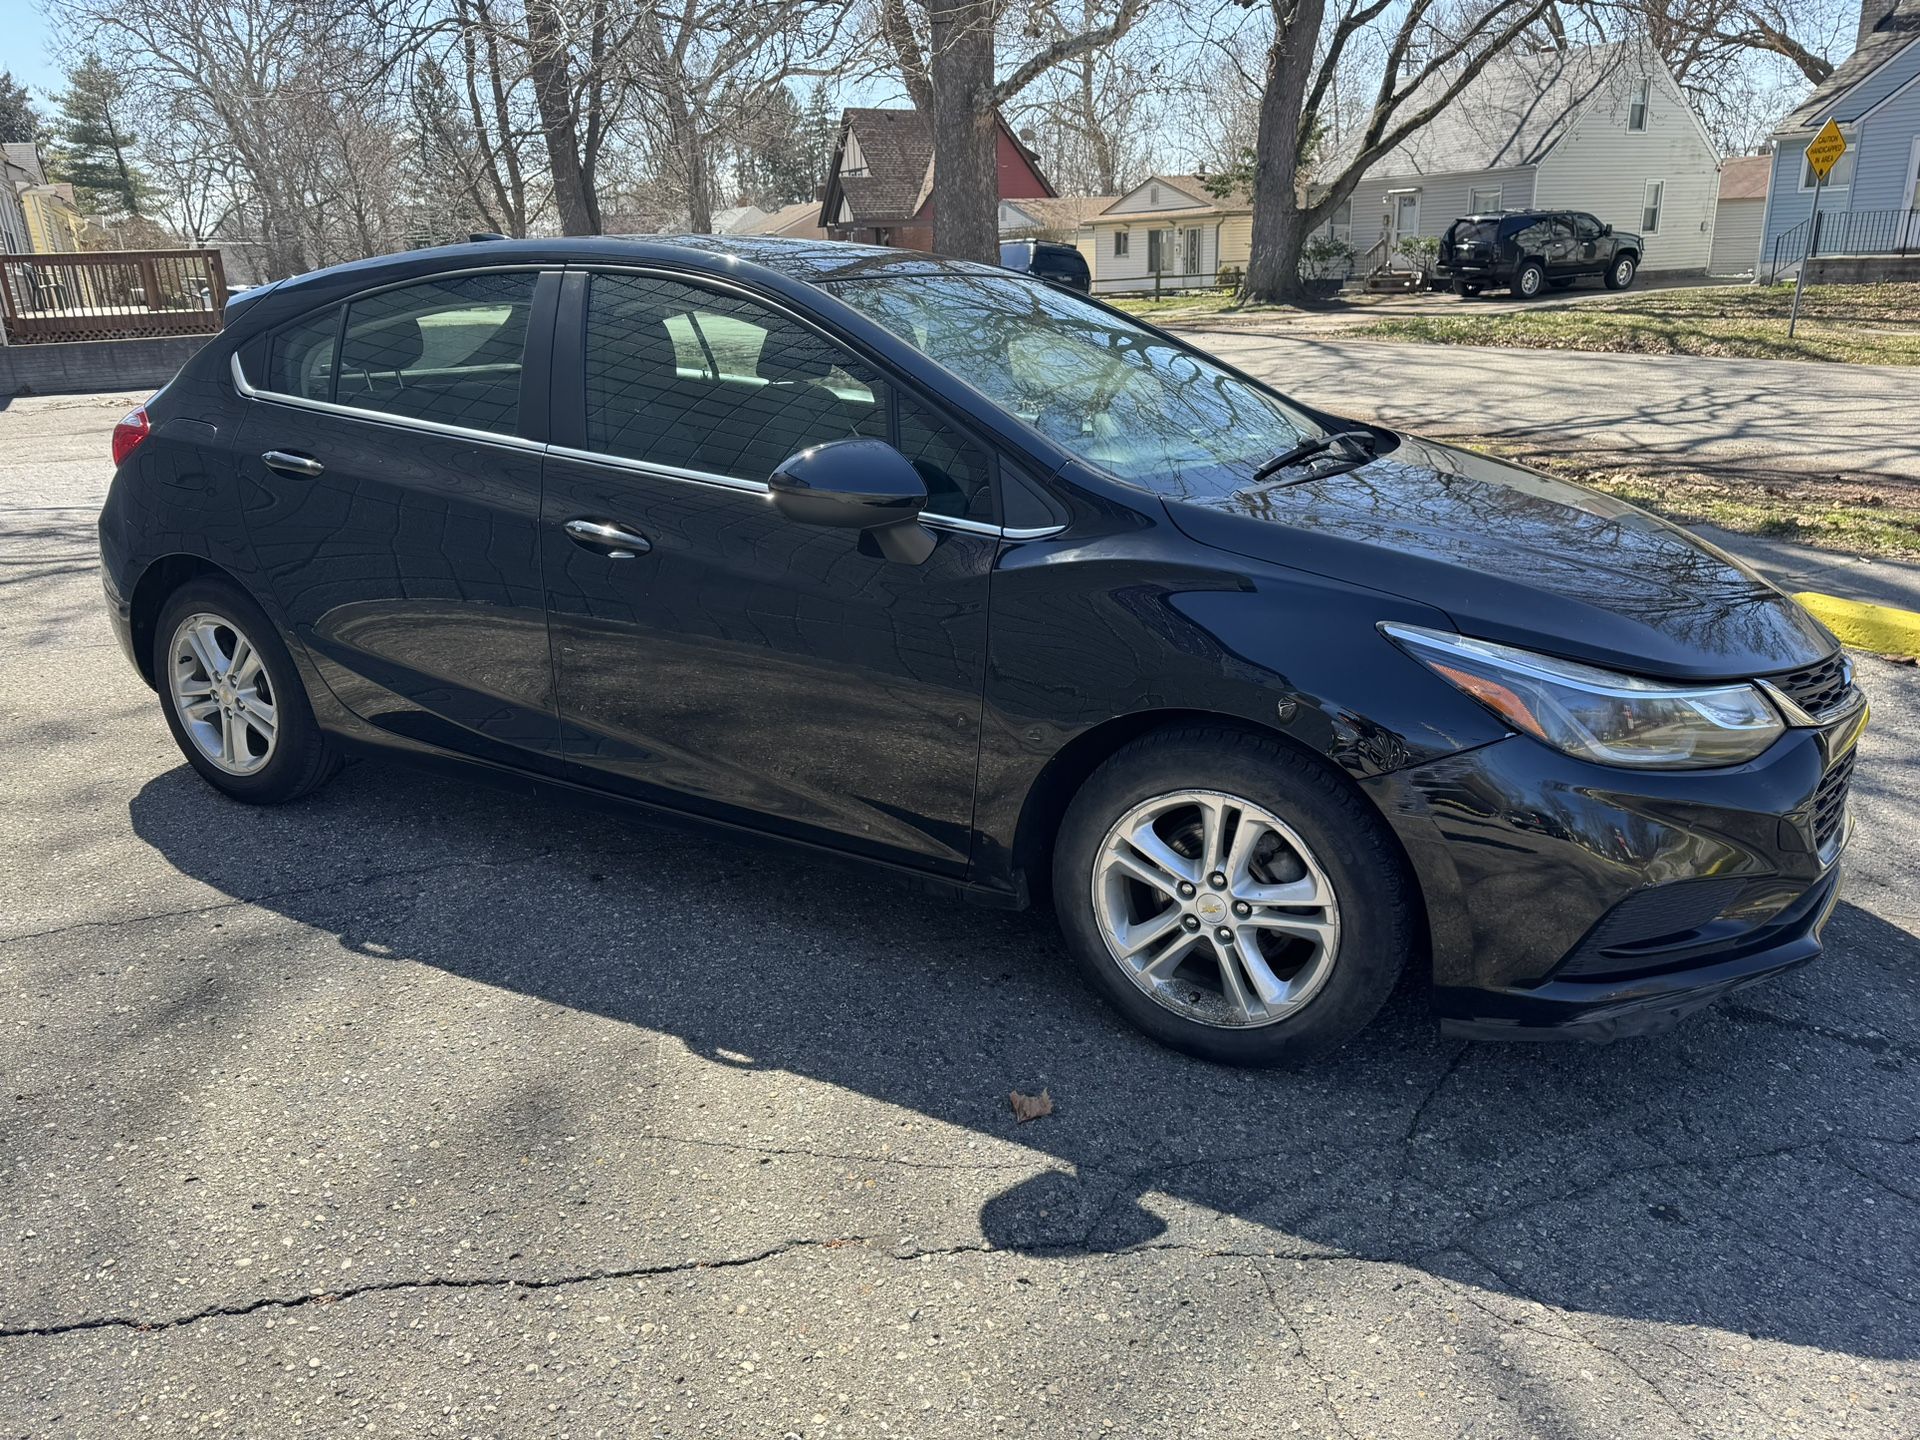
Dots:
pixel 1845 232
pixel 111 295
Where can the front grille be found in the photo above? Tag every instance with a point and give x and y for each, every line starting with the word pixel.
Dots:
pixel 1820 687
pixel 1830 803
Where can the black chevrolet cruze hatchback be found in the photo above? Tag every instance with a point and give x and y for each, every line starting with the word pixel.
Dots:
pixel 947 569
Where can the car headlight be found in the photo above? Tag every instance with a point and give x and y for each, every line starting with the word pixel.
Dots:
pixel 1596 714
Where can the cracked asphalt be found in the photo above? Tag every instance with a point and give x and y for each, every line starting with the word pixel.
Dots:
pixel 427 1107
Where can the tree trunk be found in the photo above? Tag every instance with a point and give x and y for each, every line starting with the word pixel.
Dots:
pixel 1279 231
pixel 699 181
pixel 966 187
pixel 547 61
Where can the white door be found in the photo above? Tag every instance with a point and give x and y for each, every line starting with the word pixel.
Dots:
pixel 1404 220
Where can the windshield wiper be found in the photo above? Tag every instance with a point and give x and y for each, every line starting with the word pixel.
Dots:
pixel 1359 445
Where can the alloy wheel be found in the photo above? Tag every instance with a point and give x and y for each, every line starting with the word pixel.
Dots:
pixel 222 693
pixel 1215 908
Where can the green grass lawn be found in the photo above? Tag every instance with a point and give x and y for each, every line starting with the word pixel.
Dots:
pixel 1850 324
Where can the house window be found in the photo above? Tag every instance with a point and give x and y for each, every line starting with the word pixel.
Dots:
pixel 1157 250
pixel 1839 178
pixel 1193 252
pixel 1650 207
pixel 1637 107
pixel 1340 222
pixel 1119 242
pixel 1484 202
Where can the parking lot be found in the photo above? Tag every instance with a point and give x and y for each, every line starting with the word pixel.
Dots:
pixel 432 1107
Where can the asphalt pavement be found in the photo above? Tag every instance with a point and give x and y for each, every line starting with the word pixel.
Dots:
pixel 427 1107
pixel 1764 417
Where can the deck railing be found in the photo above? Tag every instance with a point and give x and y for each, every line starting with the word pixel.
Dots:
pixel 1845 232
pixel 111 295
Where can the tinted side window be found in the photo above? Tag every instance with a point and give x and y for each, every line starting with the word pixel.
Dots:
pixel 955 469
pixel 447 350
pixel 707 381
pixel 301 360
pixel 1586 227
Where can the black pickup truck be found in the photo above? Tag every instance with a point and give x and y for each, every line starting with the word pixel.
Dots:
pixel 1526 251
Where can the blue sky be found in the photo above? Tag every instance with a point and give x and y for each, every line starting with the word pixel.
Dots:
pixel 23 48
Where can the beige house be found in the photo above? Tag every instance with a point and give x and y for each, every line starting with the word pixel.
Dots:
pixel 37 216
pixel 1168 232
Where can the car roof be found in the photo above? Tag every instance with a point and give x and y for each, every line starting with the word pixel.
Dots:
pixel 778 263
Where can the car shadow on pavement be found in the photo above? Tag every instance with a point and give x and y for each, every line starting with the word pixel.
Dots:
pixel 1755 1171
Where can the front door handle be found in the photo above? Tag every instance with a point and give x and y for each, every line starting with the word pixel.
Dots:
pixel 304 466
pixel 616 542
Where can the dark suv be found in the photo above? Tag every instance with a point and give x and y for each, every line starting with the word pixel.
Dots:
pixel 1528 250
pixel 1044 260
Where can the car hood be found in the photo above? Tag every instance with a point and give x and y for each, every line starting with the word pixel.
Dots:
pixel 1518 557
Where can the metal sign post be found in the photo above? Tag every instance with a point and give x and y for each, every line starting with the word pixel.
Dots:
pixel 1822 155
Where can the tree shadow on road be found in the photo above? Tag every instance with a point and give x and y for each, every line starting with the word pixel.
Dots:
pixel 1756 1171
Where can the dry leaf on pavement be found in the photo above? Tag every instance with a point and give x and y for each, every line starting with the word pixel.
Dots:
pixel 1030 1107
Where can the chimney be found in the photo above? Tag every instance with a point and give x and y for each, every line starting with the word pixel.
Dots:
pixel 1872 12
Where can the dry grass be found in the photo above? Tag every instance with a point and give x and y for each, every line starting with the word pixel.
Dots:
pixel 1847 324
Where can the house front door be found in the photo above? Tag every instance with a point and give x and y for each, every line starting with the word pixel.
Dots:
pixel 1403 219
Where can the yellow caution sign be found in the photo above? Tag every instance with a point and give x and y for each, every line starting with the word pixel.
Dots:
pixel 1825 151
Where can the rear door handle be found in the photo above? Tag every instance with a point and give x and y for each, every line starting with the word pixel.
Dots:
pixel 616 542
pixel 304 466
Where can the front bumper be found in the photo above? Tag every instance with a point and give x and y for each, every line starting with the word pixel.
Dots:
pixel 1572 900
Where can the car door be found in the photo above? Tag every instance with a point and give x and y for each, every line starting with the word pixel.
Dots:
pixel 391 463
pixel 1562 254
pixel 1592 254
pixel 713 655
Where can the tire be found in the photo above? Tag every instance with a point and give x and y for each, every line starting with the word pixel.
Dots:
pixel 1334 845
pixel 1621 272
pixel 221 732
pixel 1529 280
pixel 1464 289
pixel 1565 282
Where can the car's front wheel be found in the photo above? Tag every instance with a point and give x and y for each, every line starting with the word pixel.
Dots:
pixel 233 698
pixel 1529 279
pixel 1231 897
pixel 1620 274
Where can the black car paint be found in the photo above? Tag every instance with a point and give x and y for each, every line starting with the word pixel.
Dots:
pixel 779 678
pixel 1048 260
pixel 1498 263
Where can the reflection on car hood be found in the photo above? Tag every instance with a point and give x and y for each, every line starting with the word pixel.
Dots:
pixel 1517 557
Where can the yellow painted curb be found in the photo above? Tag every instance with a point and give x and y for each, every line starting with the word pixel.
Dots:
pixel 1880 628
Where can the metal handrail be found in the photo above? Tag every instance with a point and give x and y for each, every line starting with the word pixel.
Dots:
pixel 1845 232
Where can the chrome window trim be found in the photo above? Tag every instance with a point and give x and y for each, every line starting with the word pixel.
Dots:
pixel 378 417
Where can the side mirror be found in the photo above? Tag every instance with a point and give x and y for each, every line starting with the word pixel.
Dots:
pixel 856 485
pixel 1606 229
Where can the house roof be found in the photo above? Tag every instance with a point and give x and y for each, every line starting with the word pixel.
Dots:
pixel 1512 113
pixel 898 148
pixel 1897 29
pixel 1194 187
pixel 1745 177
pixel 800 220
pixel 1061 212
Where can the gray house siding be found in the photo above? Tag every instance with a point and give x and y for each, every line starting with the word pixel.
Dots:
pixel 1736 237
pixel 1603 168
pixel 1443 199
pixel 1881 142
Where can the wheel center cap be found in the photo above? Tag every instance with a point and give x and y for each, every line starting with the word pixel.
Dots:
pixel 1210 908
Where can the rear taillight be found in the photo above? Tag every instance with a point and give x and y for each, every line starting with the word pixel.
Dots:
pixel 128 434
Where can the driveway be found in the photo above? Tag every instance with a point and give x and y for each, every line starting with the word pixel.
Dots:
pixel 1757 417
pixel 429 1108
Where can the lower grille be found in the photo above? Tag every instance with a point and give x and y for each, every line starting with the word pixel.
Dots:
pixel 1632 934
pixel 1830 803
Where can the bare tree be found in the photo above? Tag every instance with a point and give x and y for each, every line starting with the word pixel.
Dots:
pixel 951 71
pixel 1430 56
pixel 1095 113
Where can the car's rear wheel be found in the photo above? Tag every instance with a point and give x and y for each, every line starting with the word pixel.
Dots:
pixel 1231 897
pixel 1529 279
pixel 1465 288
pixel 233 698
pixel 1620 274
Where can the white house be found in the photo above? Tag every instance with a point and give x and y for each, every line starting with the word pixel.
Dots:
pixel 1600 128
pixel 1170 232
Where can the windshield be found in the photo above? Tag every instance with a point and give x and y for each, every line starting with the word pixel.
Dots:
pixel 1116 395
